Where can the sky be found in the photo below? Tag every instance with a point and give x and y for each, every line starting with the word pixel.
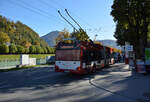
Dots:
pixel 42 16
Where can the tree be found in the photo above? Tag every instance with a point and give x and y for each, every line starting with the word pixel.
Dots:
pixel 26 50
pixel 18 34
pixel 4 49
pixel 32 49
pixel 12 49
pixel 4 38
pixel 80 35
pixel 97 42
pixel 132 18
pixel 52 51
pixel 63 34
pixel 45 50
pixel 20 49
pixel 48 50
pixel 36 43
pixel 26 44
pixel 38 50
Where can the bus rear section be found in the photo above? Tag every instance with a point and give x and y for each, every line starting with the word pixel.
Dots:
pixel 79 57
pixel 68 59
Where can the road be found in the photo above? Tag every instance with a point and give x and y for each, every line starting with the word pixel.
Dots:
pixel 112 84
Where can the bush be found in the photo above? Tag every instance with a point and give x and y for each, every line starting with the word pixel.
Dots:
pixel 26 50
pixel 32 49
pixel 20 49
pixel 38 50
pixel 4 49
pixel 12 49
pixel 45 50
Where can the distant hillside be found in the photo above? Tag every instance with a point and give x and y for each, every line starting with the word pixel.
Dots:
pixel 111 43
pixel 50 38
pixel 19 33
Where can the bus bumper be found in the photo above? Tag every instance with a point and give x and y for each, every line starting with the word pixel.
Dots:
pixel 78 71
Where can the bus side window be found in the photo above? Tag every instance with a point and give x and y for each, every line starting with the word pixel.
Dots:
pixel 102 54
pixel 84 55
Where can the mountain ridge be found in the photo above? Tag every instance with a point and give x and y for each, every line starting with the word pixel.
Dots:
pixel 109 42
pixel 50 39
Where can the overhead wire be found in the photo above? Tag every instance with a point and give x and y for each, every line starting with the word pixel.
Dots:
pixel 46 14
pixel 91 27
pixel 66 20
pixel 29 9
pixel 54 8
pixel 38 11
pixel 47 4
pixel 55 2
pixel 42 11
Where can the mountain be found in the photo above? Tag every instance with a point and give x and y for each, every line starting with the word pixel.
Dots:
pixel 111 43
pixel 50 38
pixel 19 33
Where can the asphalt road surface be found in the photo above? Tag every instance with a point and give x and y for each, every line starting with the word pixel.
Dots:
pixel 112 84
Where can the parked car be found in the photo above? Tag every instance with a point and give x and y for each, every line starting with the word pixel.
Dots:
pixel 50 60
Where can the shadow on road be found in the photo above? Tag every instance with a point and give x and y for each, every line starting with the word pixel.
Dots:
pixel 36 79
pixel 39 79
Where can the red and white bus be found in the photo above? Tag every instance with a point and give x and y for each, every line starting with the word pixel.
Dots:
pixel 81 57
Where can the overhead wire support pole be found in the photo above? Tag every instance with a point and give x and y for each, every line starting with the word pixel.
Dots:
pixel 73 18
pixel 66 20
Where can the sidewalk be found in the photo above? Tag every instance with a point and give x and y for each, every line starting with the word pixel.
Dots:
pixel 8 67
pixel 129 84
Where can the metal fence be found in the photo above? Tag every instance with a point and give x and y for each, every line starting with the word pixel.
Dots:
pixel 8 63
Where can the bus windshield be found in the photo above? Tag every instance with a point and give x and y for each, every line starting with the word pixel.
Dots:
pixel 68 55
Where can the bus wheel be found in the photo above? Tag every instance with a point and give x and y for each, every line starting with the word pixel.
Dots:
pixel 89 71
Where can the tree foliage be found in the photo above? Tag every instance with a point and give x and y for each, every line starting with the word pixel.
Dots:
pixel 132 18
pixel 63 35
pixel 12 49
pixel 19 33
pixel 32 49
pixel 80 35
pixel 39 49
pixel 4 49
pixel 20 49
pixel 26 44
pixel 4 38
pixel 22 38
pixel 26 50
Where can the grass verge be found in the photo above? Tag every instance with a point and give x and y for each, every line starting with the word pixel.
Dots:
pixel 17 56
